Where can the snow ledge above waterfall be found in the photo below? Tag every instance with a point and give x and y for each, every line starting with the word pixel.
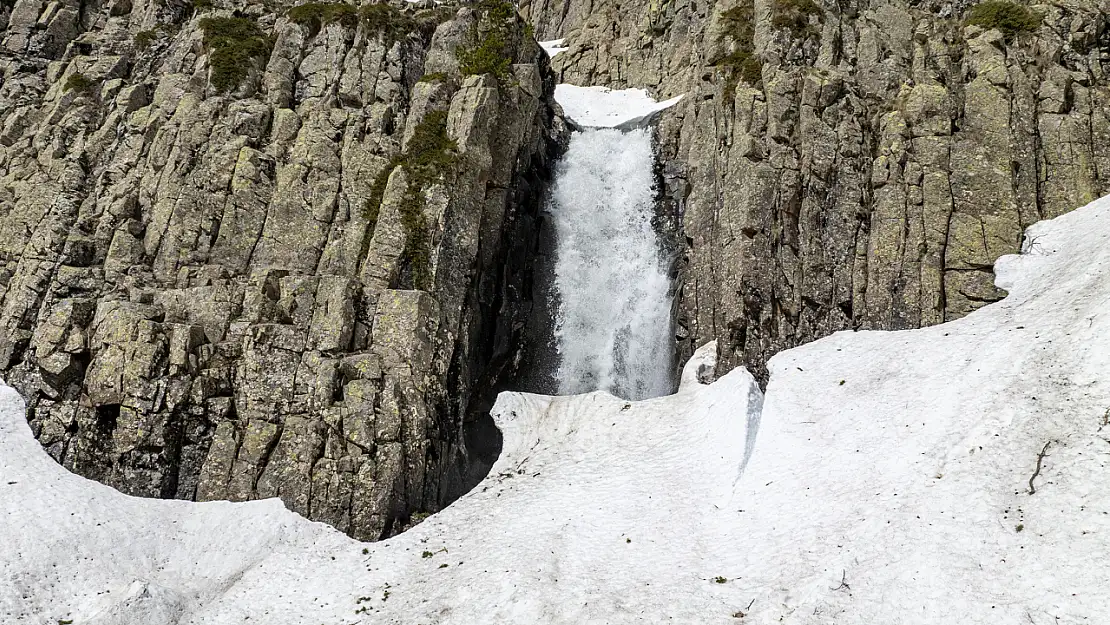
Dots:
pixel 601 107
pixel 553 47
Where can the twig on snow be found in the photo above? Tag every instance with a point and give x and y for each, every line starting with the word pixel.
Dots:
pixel 843 582
pixel 1040 459
pixel 744 612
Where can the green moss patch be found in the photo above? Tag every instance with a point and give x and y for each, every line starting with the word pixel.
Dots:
pixel 78 82
pixel 429 155
pixel 491 54
pixel 497 10
pixel 430 151
pixel 391 23
pixel 233 44
pixel 1010 18
pixel 316 15
pixel 743 65
pixel 797 16
pixel 488 57
pixel 146 38
pixel 738 26
pixel 418 249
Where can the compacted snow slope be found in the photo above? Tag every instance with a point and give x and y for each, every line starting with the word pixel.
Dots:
pixel 885 480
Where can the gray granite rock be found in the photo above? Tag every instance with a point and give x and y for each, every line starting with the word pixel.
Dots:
pixel 197 298
pixel 884 157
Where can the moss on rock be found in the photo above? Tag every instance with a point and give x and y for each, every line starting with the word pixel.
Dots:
pixel 488 57
pixel 391 23
pixel 144 38
pixel 797 16
pixel 742 64
pixel 492 52
pixel 233 44
pixel 316 15
pixel 1010 18
pixel 78 82
pixel 429 155
pixel 738 24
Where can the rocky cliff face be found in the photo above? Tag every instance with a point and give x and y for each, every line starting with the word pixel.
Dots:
pixel 250 252
pixel 853 164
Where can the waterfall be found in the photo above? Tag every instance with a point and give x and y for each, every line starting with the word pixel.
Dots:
pixel 612 304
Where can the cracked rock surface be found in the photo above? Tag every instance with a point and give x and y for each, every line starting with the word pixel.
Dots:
pixel 853 164
pixel 206 295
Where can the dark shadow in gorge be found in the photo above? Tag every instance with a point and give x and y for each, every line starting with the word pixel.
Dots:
pixel 509 351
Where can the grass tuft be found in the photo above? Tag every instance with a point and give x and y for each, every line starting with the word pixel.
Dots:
pixel 315 15
pixel 233 44
pixel 78 82
pixel 742 64
pixel 491 54
pixel 488 57
pixel 797 16
pixel 391 23
pixel 144 38
pixel 430 154
pixel 1010 18
pixel 434 77
pixel 738 23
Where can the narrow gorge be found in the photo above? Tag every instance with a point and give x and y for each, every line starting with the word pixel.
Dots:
pixel 612 311
pixel 850 165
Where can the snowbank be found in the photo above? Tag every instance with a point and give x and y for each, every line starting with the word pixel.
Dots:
pixel 887 479
pixel 553 47
pixel 575 523
pixel 602 107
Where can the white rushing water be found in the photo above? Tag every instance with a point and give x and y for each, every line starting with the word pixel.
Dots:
pixel 613 306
